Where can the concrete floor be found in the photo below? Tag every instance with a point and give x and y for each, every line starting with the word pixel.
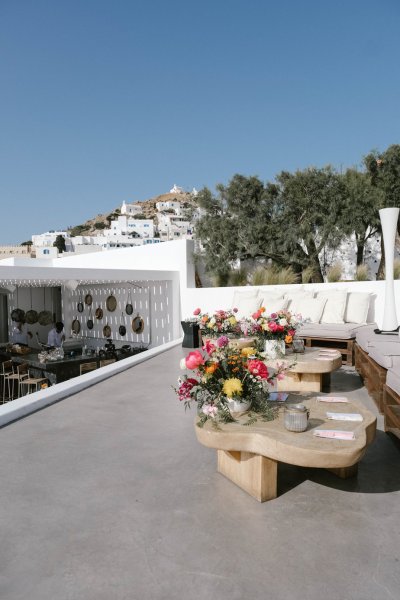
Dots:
pixel 108 495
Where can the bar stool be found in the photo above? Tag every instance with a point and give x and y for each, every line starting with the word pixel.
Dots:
pixel 9 377
pixel 33 384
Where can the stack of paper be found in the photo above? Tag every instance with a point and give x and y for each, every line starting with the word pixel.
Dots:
pixel 344 416
pixel 332 399
pixel 335 435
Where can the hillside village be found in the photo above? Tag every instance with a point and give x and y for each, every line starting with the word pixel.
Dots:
pixel 167 217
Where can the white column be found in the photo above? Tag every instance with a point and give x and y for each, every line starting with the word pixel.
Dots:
pixel 389 218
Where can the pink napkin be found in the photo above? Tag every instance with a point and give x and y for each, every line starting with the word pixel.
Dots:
pixel 333 434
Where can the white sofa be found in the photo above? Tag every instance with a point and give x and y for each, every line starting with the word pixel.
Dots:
pixel 332 318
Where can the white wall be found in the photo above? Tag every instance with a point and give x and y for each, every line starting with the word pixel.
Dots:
pixel 153 302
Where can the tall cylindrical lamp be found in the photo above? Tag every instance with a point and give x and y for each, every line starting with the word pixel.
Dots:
pixel 389 218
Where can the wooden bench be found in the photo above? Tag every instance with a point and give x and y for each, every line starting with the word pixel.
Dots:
pixel 391 405
pixel 372 374
pixel 345 347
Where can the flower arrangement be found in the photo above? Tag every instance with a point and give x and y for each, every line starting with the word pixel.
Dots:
pixel 222 322
pixel 222 374
pixel 281 325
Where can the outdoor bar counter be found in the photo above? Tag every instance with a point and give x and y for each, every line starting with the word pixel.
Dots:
pixel 62 369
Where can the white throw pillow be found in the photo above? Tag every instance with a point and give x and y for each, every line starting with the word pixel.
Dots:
pixel 334 307
pixel 273 304
pixel 357 307
pixel 247 302
pixel 269 296
pixel 311 308
pixel 295 296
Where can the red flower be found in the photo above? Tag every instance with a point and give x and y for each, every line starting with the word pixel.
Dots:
pixel 258 368
pixel 197 311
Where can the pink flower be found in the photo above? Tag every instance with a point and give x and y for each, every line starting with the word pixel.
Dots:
pixel 194 360
pixel 197 311
pixel 274 316
pixel 222 341
pixel 235 310
pixel 209 347
pixel 209 410
pixel 258 368
pixel 256 315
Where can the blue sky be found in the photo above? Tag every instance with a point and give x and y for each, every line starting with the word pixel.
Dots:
pixel 109 101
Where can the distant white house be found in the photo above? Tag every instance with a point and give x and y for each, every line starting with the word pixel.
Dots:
pixel 46 240
pixel 130 209
pixel 177 190
pixel 169 205
pixel 125 225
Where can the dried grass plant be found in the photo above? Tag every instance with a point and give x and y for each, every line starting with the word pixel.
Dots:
pixel 362 273
pixel 334 273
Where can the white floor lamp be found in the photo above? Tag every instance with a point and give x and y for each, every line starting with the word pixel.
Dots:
pixel 389 218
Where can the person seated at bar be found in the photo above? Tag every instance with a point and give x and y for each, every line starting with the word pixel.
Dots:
pixel 56 335
pixel 19 336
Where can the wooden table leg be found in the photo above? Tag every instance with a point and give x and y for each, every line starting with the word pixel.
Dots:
pixel 255 474
pixel 300 382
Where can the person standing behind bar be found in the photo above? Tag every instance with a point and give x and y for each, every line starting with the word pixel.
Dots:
pixel 18 336
pixel 56 335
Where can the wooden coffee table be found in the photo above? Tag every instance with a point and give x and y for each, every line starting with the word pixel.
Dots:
pixel 306 371
pixel 249 455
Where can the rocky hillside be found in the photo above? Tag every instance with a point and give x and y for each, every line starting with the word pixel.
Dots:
pixel 95 225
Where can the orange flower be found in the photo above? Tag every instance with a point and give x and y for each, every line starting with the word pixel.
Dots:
pixel 211 368
pixel 262 309
pixel 288 339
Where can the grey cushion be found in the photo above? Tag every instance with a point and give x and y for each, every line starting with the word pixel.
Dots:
pixel 386 354
pixel 342 331
pixel 367 339
pixel 393 380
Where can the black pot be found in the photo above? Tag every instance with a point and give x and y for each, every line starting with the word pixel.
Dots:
pixel 122 330
pixel 191 338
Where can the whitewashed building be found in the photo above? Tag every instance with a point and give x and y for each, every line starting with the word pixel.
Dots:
pixel 130 209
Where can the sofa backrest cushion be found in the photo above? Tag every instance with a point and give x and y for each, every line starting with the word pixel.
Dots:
pixel 310 308
pixel 273 304
pixel 334 307
pixel 246 301
pixel 357 307
pixel 294 296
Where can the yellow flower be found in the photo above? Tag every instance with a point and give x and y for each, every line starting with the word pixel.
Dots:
pixel 247 351
pixel 232 387
pixel 232 321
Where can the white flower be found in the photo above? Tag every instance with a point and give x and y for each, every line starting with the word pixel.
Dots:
pixel 283 322
pixel 211 322
pixel 182 364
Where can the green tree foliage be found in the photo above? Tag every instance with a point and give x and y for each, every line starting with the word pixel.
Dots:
pixel 59 243
pixel 289 221
pixel 361 215
pixel 100 225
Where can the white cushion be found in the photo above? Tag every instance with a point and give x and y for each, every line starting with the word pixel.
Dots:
pixel 295 296
pixel 273 305
pixel 247 302
pixel 357 307
pixel 310 308
pixel 334 307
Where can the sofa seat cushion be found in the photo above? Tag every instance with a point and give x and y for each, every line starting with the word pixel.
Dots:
pixel 393 380
pixel 386 354
pixel 367 339
pixel 340 331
